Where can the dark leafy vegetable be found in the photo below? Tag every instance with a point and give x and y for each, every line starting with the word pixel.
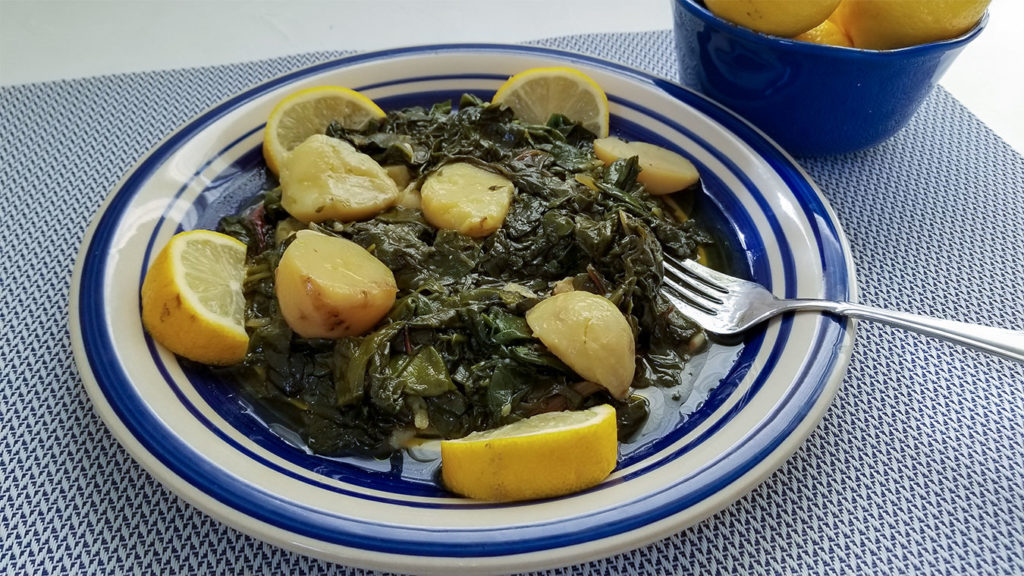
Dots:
pixel 455 353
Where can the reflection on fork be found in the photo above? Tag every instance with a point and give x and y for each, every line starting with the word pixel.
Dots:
pixel 722 304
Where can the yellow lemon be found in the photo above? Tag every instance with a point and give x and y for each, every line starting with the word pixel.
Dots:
pixel 776 17
pixel 546 455
pixel 535 94
pixel 889 24
pixel 307 112
pixel 192 300
pixel 828 32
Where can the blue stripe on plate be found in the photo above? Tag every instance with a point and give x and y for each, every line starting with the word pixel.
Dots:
pixel 103 361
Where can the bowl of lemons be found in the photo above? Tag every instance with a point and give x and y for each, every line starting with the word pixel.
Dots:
pixel 822 77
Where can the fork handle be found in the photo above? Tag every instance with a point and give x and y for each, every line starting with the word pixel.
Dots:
pixel 1005 343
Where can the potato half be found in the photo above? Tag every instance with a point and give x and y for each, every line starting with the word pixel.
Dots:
pixel 399 174
pixel 590 335
pixel 466 198
pixel 330 287
pixel 326 178
pixel 662 171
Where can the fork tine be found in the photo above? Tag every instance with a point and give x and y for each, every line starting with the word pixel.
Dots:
pixel 704 318
pixel 671 260
pixel 720 281
pixel 713 279
pixel 690 296
pixel 691 288
pixel 693 295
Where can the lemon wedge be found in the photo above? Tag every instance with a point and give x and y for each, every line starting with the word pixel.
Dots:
pixel 192 300
pixel 535 94
pixel 307 112
pixel 550 454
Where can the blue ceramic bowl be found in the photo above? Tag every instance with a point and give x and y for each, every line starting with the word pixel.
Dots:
pixel 813 100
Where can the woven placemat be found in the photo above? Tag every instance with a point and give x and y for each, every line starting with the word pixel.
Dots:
pixel 916 468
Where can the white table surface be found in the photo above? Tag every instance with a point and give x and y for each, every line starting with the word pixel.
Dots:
pixel 44 40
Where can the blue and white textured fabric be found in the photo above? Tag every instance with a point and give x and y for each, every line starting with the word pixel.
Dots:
pixel 918 467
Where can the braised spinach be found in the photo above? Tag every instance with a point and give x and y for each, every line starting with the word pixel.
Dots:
pixel 455 353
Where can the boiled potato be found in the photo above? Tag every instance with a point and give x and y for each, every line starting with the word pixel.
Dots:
pixel 330 287
pixel 590 335
pixel 466 198
pixel 399 173
pixel 409 191
pixel 662 171
pixel 286 228
pixel 326 178
pixel 410 197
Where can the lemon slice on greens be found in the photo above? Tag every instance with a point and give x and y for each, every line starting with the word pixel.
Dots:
pixel 550 454
pixel 307 112
pixel 192 300
pixel 535 94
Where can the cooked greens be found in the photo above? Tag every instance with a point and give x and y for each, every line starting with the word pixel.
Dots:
pixel 455 353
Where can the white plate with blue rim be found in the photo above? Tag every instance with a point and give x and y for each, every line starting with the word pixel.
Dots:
pixel 752 403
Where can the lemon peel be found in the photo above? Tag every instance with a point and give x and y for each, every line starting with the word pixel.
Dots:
pixel 785 18
pixel 890 24
pixel 829 33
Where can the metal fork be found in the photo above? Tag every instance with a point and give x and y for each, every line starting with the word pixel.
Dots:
pixel 725 305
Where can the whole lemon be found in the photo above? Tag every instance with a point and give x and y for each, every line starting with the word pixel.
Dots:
pixel 776 17
pixel 888 24
pixel 828 32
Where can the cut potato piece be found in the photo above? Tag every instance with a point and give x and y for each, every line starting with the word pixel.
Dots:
pixel 326 178
pixel 286 228
pixel 330 287
pixel 410 197
pixel 400 174
pixel 467 199
pixel 590 335
pixel 662 171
